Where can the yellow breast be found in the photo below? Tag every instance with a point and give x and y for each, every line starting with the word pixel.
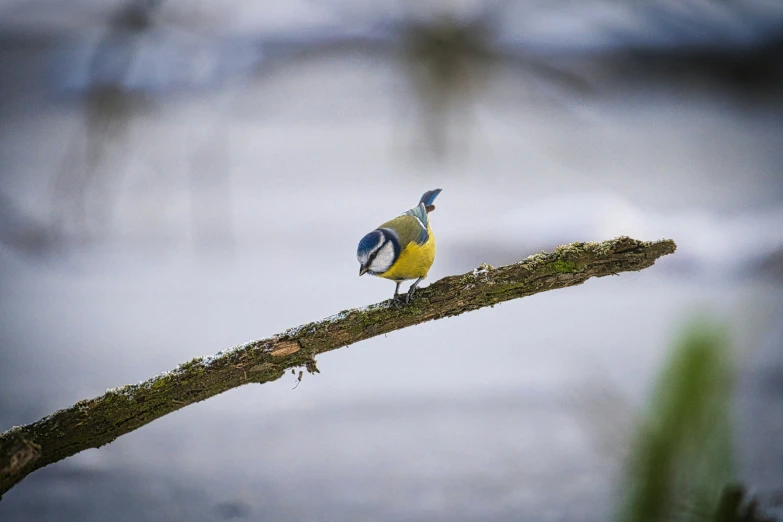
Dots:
pixel 415 260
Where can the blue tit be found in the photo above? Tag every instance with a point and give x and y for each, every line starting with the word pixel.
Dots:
pixel 403 248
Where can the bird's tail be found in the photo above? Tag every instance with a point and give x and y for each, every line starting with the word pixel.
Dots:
pixel 428 198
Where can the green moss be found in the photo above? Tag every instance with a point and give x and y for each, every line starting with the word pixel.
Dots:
pixel 416 306
pixel 491 293
pixel 191 371
pixel 115 397
pixel 564 266
pixel 191 364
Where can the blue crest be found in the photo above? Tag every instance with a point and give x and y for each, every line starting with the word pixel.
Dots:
pixel 369 242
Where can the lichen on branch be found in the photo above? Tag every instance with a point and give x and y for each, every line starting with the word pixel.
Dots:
pixel 94 422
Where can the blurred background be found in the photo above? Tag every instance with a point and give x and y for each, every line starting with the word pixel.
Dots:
pixel 177 178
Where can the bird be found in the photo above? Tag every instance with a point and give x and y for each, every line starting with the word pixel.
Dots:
pixel 401 249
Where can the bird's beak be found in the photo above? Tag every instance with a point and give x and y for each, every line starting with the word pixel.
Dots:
pixel 362 270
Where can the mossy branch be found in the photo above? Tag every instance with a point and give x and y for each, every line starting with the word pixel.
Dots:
pixel 95 422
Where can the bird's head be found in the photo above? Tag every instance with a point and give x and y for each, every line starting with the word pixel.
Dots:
pixel 377 251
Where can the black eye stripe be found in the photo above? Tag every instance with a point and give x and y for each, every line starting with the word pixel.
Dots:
pixel 373 255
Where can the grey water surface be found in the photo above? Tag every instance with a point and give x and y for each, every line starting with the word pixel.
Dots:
pixel 193 220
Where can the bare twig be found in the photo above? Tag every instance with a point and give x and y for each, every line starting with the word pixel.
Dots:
pixel 95 422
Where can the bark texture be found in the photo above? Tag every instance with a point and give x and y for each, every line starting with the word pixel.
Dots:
pixel 94 422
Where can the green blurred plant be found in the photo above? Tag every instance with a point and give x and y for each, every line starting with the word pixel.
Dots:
pixel 681 466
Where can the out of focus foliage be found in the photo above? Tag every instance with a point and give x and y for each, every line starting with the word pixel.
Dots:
pixel 682 459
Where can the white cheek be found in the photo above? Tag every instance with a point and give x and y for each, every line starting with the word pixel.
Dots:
pixel 364 257
pixel 384 259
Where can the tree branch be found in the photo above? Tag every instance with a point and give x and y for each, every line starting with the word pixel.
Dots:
pixel 95 422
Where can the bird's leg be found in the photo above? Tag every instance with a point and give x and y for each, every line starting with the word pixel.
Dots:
pixel 412 289
pixel 397 291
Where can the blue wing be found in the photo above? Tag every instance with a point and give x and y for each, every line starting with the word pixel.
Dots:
pixel 420 213
pixel 413 225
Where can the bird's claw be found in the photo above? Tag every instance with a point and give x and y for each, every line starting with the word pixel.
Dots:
pixel 401 299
